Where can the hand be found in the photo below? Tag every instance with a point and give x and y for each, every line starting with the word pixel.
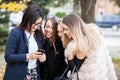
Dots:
pixel 42 57
pixel 33 55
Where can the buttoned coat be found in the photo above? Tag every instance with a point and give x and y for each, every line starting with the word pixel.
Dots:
pixel 15 55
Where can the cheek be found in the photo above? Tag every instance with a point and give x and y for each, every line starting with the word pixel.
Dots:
pixel 48 33
pixel 69 35
pixel 45 30
pixel 33 28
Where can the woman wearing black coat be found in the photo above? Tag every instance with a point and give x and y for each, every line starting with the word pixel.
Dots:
pixel 55 61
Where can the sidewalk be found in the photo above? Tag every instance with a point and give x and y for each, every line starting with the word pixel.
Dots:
pixel 2 66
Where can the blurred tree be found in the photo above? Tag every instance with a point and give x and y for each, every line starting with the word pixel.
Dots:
pixel 87 6
pixel 117 2
pixel 44 3
pixel 88 10
pixel 4 17
pixel 41 3
pixel 60 14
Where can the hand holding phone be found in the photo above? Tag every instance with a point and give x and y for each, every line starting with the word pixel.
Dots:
pixel 43 56
pixel 41 50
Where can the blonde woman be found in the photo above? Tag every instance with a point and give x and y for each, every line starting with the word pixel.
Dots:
pixel 65 40
pixel 87 50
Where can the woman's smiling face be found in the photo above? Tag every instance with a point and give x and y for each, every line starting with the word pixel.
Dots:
pixel 48 30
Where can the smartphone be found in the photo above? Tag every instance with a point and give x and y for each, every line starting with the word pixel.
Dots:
pixel 41 50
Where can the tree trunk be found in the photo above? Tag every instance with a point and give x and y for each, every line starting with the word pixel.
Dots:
pixel 88 10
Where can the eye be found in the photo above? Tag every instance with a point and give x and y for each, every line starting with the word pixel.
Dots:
pixel 65 29
pixel 47 26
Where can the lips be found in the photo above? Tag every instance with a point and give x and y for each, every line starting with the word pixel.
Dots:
pixel 48 34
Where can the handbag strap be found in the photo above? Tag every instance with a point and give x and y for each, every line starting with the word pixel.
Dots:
pixel 63 73
pixel 77 73
pixel 75 68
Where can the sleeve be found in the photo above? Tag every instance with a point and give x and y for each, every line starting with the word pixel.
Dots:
pixel 111 72
pixel 10 52
pixel 71 64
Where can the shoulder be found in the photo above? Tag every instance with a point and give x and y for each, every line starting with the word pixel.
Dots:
pixel 71 44
pixel 16 31
pixel 94 28
pixel 71 48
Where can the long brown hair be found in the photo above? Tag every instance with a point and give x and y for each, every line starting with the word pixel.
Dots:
pixel 54 26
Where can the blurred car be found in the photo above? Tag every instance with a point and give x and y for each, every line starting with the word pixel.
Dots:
pixel 108 21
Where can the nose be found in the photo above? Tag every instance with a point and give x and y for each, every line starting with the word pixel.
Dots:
pixel 49 29
pixel 64 32
pixel 36 27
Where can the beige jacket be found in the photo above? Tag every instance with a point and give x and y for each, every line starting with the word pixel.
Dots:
pixel 97 66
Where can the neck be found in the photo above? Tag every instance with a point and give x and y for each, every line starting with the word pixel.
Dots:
pixel 31 32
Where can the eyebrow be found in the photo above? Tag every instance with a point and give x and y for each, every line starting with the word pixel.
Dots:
pixel 38 22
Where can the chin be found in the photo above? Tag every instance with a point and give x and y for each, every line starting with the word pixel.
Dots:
pixel 48 36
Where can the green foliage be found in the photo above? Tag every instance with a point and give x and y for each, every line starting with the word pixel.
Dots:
pixel 3 35
pixel 2 48
pixel 60 14
pixel 57 3
pixel 52 3
pixel 79 14
pixel 42 4
pixel 4 19
pixel 115 59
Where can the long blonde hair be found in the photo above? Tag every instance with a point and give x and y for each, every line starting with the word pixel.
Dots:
pixel 87 36
pixel 65 39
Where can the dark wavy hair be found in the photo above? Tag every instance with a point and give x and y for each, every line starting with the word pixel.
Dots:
pixel 31 14
pixel 54 24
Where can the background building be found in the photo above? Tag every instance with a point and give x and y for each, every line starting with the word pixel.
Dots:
pixel 106 7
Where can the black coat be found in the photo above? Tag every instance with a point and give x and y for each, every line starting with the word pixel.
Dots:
pixel 55 62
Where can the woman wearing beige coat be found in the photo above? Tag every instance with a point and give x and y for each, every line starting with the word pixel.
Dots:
pixel 87 50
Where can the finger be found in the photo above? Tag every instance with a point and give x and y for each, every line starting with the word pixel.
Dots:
pixel 39 53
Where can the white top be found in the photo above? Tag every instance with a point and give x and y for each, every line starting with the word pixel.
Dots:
pixel 97 66
pixel 32 46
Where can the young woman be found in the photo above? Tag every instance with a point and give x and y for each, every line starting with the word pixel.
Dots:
pixel 21 48
pixel 87 50
pixel 65 40
pixel 55 61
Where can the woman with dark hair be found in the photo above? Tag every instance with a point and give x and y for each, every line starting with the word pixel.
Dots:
pixel 21 48
pixel 55 61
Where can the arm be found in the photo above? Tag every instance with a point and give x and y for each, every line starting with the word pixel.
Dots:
pixel 10 53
